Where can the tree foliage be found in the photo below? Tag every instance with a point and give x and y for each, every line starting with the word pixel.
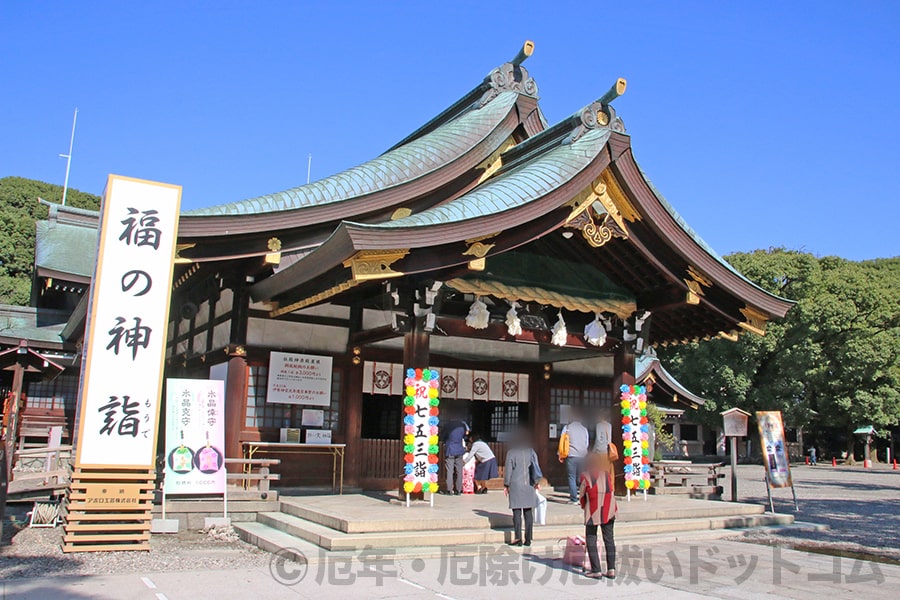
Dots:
pixel 19 210
pixel 833 361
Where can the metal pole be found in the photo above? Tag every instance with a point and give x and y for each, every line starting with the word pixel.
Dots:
pixel 308 168
pixel 794 493
pixel 69 158
pixel 733 469
pixel 769 493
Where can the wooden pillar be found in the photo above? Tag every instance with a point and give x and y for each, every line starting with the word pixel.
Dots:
pixel 539 412
pixel 416 350
pixel 352 407
pixel 351 404
pixel 623 374
pixel 12 427
pixel 235 406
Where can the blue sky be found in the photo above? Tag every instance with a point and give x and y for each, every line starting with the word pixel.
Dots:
pixel 764 124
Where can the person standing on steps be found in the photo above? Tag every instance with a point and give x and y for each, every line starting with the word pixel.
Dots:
pixel 454 436
pixel 521 481
pixel 596 494
pixel 578 445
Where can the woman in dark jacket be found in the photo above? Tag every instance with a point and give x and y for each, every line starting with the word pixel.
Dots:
pixel 520 479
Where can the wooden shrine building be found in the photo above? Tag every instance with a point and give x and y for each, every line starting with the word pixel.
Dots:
pixel 483 244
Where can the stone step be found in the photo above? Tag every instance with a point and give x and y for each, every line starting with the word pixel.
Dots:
pixel 334 540
pixel 381 516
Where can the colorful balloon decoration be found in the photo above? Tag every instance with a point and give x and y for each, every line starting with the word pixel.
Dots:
pixel 635 437
pixel 420 427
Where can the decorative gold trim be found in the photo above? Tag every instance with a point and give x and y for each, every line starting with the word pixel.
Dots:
pixel 401 213
pixel 478 249
pixel 374 264
pixel 626 209
pixel 731 336
pixel 493 162
pixel 597 235
pixel 697 276
pixel 610 224
pixel 273 257
pixel 756 321
pixel 330 292
pixel 694 292
pixel 181 260
pixel 187 275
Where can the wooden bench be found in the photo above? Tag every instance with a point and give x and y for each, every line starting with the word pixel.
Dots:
pixel 685 477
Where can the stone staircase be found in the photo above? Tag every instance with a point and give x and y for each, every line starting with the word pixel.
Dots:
pixel 356 522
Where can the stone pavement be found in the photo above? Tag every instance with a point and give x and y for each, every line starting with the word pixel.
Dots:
pixel 685 569
pixel 861 507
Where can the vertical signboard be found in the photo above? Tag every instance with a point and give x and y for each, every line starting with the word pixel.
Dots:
pixel 775 456
pixel 299 379
pixel 635 437
pixel 124 353
pixel 195 436
pixel 420 430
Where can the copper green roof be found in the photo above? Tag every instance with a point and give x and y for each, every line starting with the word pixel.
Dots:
pixel 32 324
pixel 65 249
pixel 518 186
pixel 400 165
pixel 645 364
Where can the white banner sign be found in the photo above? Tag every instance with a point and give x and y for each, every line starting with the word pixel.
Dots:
pixel 195 436
pixel 126 331
pixel 299 379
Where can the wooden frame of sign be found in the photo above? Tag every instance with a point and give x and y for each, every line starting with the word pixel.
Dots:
pixel 109 510
pixel 117 422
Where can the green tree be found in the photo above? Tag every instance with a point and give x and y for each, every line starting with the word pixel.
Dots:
pixel 19 210
pixel 834 360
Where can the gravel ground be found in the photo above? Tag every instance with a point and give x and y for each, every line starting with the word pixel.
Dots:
pixel 860 506
pixel 36 552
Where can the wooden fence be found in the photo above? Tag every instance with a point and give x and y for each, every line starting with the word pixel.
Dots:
pixel 383 460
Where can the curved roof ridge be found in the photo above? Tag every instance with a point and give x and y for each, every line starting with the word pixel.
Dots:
pixel 676 216
pixel 395 167
pixel 648 363
pixel 521 184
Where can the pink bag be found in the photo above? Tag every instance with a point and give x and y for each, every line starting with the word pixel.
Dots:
pixel 575 552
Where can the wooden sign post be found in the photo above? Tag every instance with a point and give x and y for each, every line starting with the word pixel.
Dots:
pixel 118 406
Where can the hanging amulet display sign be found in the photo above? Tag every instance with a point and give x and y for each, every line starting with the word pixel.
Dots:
pixel 635 437
pixel 420 430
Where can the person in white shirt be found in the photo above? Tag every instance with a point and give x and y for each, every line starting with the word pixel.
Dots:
pixel 485 465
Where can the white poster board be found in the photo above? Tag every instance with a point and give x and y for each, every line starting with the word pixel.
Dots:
pixel 318 436
pixel 299 379
pixel 312 417
pixel 195 436
pixel 118 404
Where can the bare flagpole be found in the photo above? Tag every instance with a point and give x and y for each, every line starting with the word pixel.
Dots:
pixel 68 158
pixel 308 168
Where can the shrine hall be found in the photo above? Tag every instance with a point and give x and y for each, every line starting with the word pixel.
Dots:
pixel 529 263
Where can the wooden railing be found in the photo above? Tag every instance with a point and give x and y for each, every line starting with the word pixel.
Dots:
pixel 262 476
pixel 383 459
